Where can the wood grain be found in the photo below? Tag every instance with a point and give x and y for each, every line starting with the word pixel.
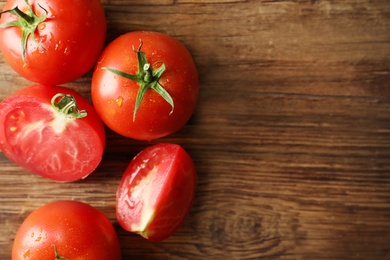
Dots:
pixel 291 135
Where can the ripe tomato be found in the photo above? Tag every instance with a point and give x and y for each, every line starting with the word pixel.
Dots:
pixel 51 135
pixel 66 230
pixel 62 41
pixel 156 191
pixel 145 85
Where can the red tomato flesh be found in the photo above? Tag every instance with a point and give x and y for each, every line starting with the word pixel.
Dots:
pixel 73 229
pixel 46 142
pixel 156 191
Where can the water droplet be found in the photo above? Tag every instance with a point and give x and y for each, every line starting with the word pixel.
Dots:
pixel 119 101
pixel 42 38
pixel 52 12
pixel 67 51
pixel 42 26
pixel 59 46
pixel 26 255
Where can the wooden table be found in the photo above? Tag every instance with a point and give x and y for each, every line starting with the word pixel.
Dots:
pixel 291 135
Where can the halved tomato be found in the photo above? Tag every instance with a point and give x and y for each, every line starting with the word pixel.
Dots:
pixel 51 131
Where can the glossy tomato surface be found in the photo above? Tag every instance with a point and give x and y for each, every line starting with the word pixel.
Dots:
pixel 156 191
pixel 71 229
pixel 68 42
pixel 39 138
pixel 115 96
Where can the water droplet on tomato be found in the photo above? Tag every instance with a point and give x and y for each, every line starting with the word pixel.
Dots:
pixel 51 13
pixel 26 255
pixel 42 26
pixel 43 38
pixel 37 49
pixel 59 46
pixel 67 51
pixel 119 101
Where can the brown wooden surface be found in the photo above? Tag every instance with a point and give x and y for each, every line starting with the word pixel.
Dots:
pixel 291 135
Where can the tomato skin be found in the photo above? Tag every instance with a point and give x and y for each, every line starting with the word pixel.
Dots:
pixel 156 191
pixel 37 138
pixel 72 37
pixel 77 230
pixel 114 96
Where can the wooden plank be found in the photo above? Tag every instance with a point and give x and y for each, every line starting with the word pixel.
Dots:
pixel 291 135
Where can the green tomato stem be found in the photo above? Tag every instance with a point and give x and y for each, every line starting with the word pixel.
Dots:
pixel 67 105
pixel 28 22
pixel 147 78
pixel 57 256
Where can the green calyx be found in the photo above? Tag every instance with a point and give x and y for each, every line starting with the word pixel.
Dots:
pixel 67 105
pixel 147 78
pixel 57 256
pixel 28 22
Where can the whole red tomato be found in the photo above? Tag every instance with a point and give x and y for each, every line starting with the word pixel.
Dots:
pixel 52 42
pixel 156 191
pixel 145 85
pixel 51 131
pixel 66 230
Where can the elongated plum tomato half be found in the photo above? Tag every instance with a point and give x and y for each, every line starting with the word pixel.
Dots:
pixel 52 42
pixel 51 131
pixel 145 85
pixel 66 229
pixel 156 191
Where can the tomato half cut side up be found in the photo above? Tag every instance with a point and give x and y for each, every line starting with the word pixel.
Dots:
pixel 51 131
pixel 156 191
